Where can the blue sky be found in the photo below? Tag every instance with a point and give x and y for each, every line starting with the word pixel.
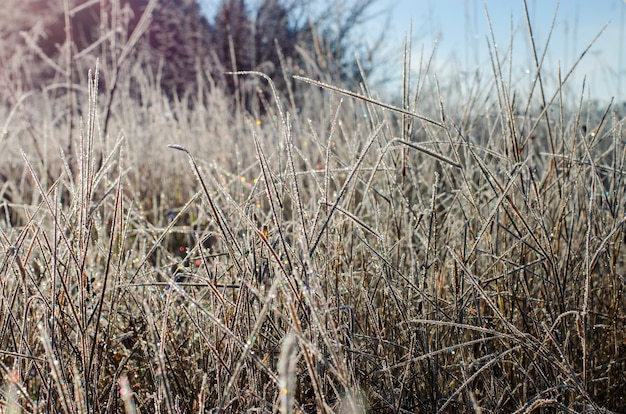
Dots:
pixel 458 31
pixel 459 28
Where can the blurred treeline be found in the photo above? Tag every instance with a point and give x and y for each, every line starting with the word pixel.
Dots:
pixel 177 45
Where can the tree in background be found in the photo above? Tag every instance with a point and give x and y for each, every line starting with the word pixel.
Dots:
pixel 283 37
pixel 248 40
pixel 177 43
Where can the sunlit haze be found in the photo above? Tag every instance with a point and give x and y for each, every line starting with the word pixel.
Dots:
pixel 460 32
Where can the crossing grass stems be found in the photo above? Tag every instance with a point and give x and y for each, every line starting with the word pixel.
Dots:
pixel 350 255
